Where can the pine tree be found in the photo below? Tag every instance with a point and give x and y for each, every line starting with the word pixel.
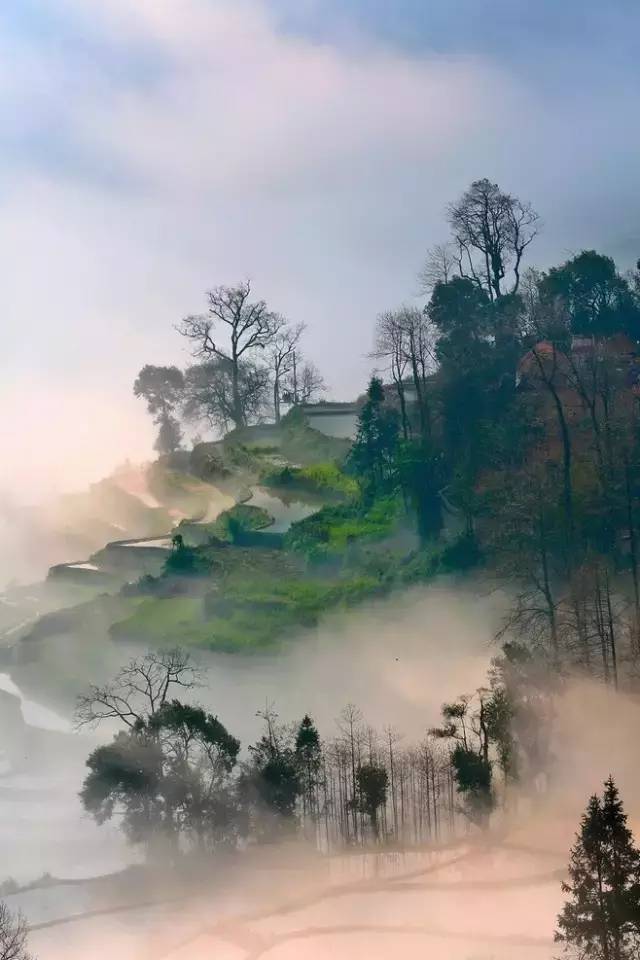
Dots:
pixel 601 920
pixel 309 756
pixel 372 456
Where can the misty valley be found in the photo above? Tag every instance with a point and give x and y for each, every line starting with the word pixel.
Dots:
pixel 320 499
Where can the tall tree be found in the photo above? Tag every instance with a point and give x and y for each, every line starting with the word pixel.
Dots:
pixel 392 348
pixel 281 357
pixel 491 230
pixel 468 729
pixel 272 783
pixel 167 773
pixel 309 756
pixel 373 454
pixel 162 388
pixel 169 436
pixel 309 383
pixel 249 326
pixel 373 783
pixel 601 918
pixel 139 688
pixel 420 349
pixel 598 301
pixel 211 393
pixel 440 266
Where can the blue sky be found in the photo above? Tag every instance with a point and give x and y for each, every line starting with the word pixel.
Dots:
pixel 515 31
pixel 149 150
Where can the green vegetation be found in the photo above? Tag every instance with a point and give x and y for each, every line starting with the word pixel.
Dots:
pixel 160 620
pixel 326 479
pixel 262 598
pixel 291 442
pixel 601 918
pixel 333 530
pixel 242 517
pixel 185 561
pixel 506 434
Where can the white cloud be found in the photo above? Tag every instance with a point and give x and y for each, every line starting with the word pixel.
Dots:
pixel 322 172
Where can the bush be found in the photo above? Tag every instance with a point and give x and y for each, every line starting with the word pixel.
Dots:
pixel 241 518
pixel 186 561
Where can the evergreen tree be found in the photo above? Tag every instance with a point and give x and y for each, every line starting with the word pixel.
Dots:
pixel 601 919
pixel 372 457
pixel 309 755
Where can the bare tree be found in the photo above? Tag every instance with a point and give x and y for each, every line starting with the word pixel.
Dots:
pixel 310 383
pixel 138 690
pixel 250 326
pixel 491 230
pixel 419 344
pixel 281 354
pixel 13 935
pixel 209 392
pixel 392 347
pixel 440 265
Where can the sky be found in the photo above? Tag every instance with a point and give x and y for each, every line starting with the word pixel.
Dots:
pixel 151 150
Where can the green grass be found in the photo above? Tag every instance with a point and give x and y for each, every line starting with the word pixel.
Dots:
pixel 261 613
pixel 259 598
pixel 319 478
pixel 243 615
pixel 160 620
pixel 332 530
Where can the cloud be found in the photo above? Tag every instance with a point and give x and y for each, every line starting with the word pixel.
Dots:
pixel 319 169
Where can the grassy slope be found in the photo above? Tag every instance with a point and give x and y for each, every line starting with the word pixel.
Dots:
pixel 253 596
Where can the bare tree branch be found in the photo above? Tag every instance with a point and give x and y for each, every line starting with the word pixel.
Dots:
pixel 138 690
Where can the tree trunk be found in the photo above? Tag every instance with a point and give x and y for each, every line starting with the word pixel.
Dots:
pixel 633 549
pixel 238 412
pixel 276 399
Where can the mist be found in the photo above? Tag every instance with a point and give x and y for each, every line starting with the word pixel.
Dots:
pixel 320 486
pixel 125 228
pixel 284 902
pixel 398 660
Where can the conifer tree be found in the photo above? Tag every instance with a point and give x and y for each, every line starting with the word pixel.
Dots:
pixel 309 756
pixel 601 919
pixel 372 456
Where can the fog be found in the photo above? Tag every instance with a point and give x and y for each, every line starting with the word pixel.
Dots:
pixel 152 151
pixel 493 896
pixel 395 660
pixel 320 161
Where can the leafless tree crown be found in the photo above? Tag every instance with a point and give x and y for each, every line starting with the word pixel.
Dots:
pixel 13 935
pixel 138 690
pixel 491 231
pixel 251 325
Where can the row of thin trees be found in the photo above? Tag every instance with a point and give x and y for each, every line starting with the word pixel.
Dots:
pixel 178 779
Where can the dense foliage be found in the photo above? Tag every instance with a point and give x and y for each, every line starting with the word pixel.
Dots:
pixel 601 918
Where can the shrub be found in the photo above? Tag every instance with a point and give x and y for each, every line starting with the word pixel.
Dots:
pixel 241 518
